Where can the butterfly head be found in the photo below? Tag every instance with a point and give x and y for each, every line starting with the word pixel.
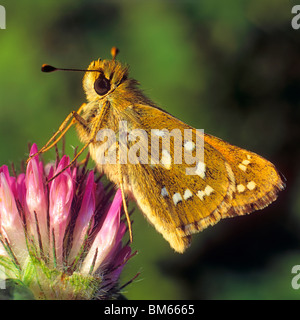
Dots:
pixel 108 76
pixel 102 77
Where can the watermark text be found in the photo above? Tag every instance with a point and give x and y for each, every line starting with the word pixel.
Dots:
pixel 2 18
pixel 296 279
pixel 296 19
pixel 152 147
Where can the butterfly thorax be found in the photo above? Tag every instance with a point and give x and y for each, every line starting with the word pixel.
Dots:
pixel 114 106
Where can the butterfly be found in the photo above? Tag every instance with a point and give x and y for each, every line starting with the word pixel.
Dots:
pixel 183 179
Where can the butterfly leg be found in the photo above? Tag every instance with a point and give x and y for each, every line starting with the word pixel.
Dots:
pixel 64 127
pixel 77 118
pixel 124 200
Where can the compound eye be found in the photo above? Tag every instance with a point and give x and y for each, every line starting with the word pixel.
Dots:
pixel 102 85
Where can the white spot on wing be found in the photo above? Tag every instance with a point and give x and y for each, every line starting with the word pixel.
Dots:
pixel 242 167
pixel 187 194
pixel 166 159
pixel 240 188
pixel 246 162
pixel 201 194
pixel 189 145
pixel 208 190
pixel 200 170
pixel 157 132
pixel 177 198
pixel 164 192
pixel 251 185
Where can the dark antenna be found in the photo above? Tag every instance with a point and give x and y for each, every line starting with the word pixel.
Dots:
pixel 114 52
pixel 48 68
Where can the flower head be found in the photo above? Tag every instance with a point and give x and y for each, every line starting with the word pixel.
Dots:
pixel 62 239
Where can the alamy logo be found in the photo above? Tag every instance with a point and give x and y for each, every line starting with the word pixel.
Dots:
pixel 2 18
pixel 296 278
pixel 153 148
pixel 295 21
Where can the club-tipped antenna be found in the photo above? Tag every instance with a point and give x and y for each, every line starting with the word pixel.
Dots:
pixel 48 68
pixel 114 51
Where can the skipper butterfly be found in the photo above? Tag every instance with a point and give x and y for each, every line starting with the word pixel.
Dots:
pixel 182 179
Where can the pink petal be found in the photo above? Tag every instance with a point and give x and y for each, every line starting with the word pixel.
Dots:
pixel 10 180
pixel 21 189
pixel 36 199
pixel 60 200
pixel 85 216
pixel 106 237
pixel 111 257
pixel 11 224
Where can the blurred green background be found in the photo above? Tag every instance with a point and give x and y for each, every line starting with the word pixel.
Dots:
pixel 231 67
